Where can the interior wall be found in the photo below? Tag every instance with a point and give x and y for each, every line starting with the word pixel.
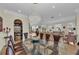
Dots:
pixel 77 26
pixel 2 40
pixel 8 21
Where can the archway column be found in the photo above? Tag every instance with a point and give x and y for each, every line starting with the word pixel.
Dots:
pixel 77 27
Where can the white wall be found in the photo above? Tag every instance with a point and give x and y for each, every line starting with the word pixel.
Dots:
pixel 77 26
pixel 8 21
pixel 2 40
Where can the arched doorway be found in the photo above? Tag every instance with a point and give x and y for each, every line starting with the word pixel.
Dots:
pixel 18 30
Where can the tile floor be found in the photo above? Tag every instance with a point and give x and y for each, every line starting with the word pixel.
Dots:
pixel 62 49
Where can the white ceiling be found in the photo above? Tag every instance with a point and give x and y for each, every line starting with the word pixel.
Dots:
pixel 45 10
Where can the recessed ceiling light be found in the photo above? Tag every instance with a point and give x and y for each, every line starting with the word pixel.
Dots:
pixel 60 14
pixel 53 6
pixel 76 10
pixel 19 11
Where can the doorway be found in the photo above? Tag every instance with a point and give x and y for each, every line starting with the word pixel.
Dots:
pixel 18 30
